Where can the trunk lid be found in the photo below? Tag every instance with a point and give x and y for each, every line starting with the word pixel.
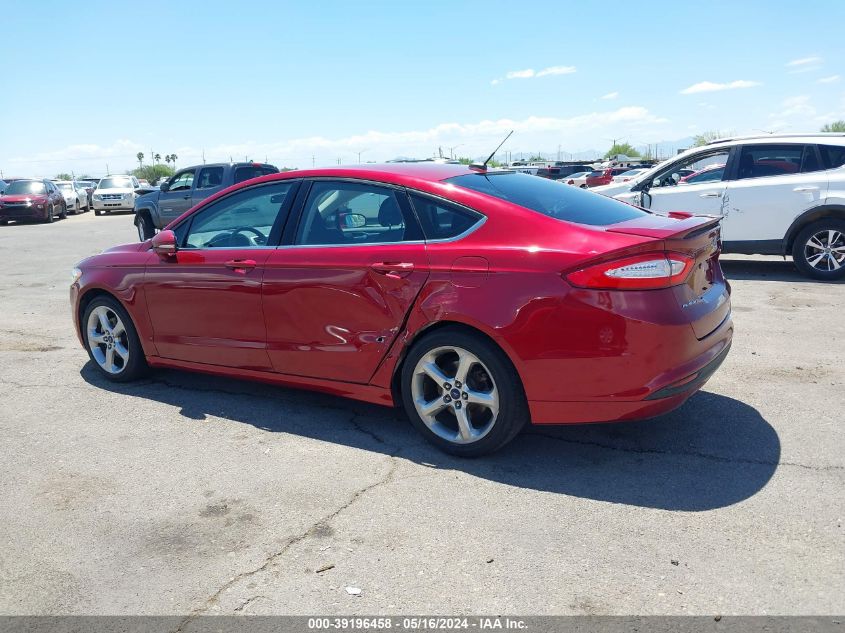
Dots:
pixel 704 297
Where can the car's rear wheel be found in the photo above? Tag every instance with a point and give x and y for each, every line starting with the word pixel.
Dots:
pixel 462 393
pixel 819 250
pixel 112 341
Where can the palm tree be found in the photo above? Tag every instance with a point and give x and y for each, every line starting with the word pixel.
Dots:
pixel 836 126
pixel 173 157
pixel 157 158
pixel 167 160
pixel 140 157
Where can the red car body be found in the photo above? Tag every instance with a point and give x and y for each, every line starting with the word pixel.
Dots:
pixel 21 204
pixel 605 176
pixel 341 319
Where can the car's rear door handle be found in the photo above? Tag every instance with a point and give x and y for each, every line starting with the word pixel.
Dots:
pixel 393 269
pixel 807 188
pixel 240 265
pixel 711 194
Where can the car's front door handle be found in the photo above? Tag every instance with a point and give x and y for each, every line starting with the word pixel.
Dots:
pixel 187 197
pixel 393 269
pixel 240 265
pixel 808 188
pixel 711 194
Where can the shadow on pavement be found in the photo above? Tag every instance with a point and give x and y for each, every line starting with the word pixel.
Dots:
pixel 767 270
pixel 712 452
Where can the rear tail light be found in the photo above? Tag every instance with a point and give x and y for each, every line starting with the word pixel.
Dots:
pixel 637 272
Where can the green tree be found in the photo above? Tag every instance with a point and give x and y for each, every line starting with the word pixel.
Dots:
pixel 64 176
pixel 836 126
pixel 140 157
pixel 151 173
pixel 708 136
pixel 173 157
pixel 622 148
pixel 157 158
pixel 167 159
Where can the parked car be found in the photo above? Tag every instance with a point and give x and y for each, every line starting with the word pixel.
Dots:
pixel 89 187
pixel 579 179
pixel 604 176
pixel 115 193
pixel 3 185
pixel 559 171
pixel 479 300
pixel 707 174
pixel 75 195
pixel 188 187
pixel 625 176
pixel 31 199
pixel 778 195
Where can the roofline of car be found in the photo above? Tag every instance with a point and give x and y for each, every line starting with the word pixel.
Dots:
pixel 728 139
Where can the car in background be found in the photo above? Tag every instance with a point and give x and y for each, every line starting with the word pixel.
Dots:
pixel 89 187
pixel 604 176
pixel 189 186
pixel 707 174
pixel 559 170
pixel 625 176
pixel 779 194
pixel 462 294
pixel 579 179
pixel 3 185
pixel 115 193
pixel 76 197
pixel 31 199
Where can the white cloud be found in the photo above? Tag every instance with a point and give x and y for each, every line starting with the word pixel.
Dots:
pixel 829 80
pixel 798 106
pixel 610 95
pixel 557 70
pixel 709 86
pixel 804 65
pixel 478 137
pixel 530 73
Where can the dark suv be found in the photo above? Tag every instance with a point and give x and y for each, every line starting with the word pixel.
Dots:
pixel 186 188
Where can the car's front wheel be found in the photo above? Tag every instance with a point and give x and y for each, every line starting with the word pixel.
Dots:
pixel 63 212
pixel 145 227
pixel 819 250
pixel 462 393
pixel 50 215
pixel 112 341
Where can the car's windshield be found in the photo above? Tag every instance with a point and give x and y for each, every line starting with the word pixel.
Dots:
pixel 115 183
pixel 64 186
pixel 551 198
pixel 26 186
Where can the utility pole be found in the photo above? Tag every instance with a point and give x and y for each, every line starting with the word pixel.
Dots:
pixel 108 173
pixel 203 156
pixel 313 161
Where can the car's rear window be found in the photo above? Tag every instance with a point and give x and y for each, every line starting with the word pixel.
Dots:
pixel 551 198
pixel 253 171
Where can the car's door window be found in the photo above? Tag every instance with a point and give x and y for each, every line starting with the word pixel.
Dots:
pixel 346 213
pixel 760 161
pixel 833 156
pixel 210 177
pixel 242 220
pixel 674 174
pixel 183 181
pixel 442 221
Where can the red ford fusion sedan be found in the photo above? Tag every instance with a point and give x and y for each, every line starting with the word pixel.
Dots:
pixel 480 301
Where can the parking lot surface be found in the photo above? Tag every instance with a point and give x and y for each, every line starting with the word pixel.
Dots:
pixel 187 494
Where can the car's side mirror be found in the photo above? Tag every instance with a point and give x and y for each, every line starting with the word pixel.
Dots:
pixel 164 243
pixel 352 221
pixel 164 186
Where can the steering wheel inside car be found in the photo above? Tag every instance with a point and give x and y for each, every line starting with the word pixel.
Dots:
pixel 260 239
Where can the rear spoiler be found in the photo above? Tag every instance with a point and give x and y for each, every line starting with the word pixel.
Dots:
pixel 678 225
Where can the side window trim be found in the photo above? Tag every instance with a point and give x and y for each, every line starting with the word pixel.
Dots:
pixel 480 218
pixel 276 230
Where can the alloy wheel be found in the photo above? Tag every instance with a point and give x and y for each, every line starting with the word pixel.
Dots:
pixel 455 395
pixel 825 250
pixel 108 339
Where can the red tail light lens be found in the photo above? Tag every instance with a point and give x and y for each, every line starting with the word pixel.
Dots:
pixel 637 272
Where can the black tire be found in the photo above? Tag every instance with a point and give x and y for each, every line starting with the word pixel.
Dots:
pixel 63 212
pixel 77 209
pixel 513 407
pixel 803 253
pixel 50 216
pixel 136 367
pixel 145 227
pixel 583 186
pixel 98 212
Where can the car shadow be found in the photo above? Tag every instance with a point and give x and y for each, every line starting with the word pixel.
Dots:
pixel 712 452
pixel 767 270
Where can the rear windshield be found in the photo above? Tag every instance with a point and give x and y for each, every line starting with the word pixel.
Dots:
pixel 253 171
pixel 551 198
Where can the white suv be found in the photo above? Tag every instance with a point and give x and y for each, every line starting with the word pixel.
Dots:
pixel 115 193
pixel 778 195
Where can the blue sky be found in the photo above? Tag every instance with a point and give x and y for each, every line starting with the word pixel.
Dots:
pixel 96 82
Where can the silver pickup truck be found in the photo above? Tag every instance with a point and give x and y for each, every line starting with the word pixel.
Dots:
pixel 186 188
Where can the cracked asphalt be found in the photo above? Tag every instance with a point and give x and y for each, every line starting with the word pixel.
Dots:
pixel 187 495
